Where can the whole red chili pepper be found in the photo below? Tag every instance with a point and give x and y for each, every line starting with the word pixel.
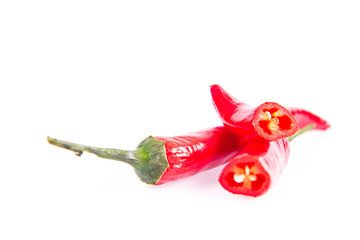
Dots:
pixel 267 122
pixel 158 160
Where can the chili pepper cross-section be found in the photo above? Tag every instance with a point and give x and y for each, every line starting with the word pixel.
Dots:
pixel 159 160
pixel 267 122
pixel 254 169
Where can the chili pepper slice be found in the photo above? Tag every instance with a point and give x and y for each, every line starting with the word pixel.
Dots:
pixel 254 169
pixel 304 118
pixel 159 160
pixel 267 122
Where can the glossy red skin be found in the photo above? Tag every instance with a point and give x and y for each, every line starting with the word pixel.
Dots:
pixel 270 158
pixel 305 118
pixel 243 119
pixel 199 151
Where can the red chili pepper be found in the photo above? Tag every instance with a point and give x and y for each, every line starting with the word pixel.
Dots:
pixel 267 122
pixel 304 118
pixel 158 160
pixel 255 168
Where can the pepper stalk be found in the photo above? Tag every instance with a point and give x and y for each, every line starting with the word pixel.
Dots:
pixel 148 159
pixel 301 131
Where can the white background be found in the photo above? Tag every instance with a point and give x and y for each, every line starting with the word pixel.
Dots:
pixel 110 73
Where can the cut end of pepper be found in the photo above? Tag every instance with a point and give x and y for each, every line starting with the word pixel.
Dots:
pixel 245 175
pixel 272 121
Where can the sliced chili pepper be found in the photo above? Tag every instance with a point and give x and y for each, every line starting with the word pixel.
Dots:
pixel 254 169
pixel 267 122
pixel 158 160
pixel 304 118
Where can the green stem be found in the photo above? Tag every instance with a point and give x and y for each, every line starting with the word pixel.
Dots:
pixel 148 159
pixel 301 131
pixel 109 153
